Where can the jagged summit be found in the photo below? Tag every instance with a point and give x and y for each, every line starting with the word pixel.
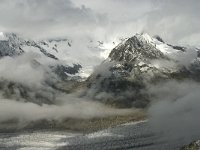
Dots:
pixel 10 45
pixel 137 48
pixel 144 47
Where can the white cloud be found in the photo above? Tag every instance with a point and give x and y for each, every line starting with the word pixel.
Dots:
pixel 21 70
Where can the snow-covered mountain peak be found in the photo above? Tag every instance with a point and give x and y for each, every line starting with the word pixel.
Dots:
pixel 151 56
pixel 144 37
pixel 137 48
pixel 143 47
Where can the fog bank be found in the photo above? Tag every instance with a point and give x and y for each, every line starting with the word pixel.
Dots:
pixel 175 111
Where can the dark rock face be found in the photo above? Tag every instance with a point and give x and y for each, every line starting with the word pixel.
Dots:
pixel 62 71
pixel 8 49
pixel 19 92
pixel 159 38
pixel 198 52
pixel 117 88
pixel 192 146
pixel 181 48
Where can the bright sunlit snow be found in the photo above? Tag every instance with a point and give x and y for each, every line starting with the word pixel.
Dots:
pixel 2 37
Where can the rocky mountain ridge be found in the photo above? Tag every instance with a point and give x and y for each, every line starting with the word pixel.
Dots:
pixel 136 63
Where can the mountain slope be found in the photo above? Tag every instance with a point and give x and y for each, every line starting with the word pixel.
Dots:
pixel 31 73
pixel 141 60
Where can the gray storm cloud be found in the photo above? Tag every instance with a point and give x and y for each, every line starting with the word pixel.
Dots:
pixel 41 19
pixel 176 21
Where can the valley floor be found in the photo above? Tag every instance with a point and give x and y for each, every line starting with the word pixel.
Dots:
pixel 133 135
pixel 130 131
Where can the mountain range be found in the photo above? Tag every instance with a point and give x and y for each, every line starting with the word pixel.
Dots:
pixel 121 80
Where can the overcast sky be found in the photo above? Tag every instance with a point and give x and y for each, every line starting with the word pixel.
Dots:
pixel 177 21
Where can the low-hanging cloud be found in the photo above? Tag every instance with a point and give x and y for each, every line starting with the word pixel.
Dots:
pixel 27 94
pixel 69 106
pixel 22 70
pixel 175 110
